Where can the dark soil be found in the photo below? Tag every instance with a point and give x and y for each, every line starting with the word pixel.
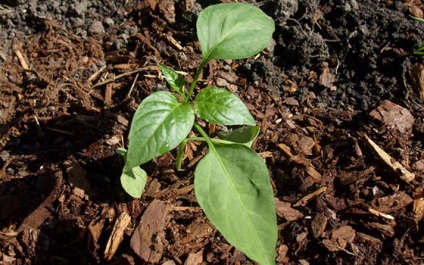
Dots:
pixel 340 79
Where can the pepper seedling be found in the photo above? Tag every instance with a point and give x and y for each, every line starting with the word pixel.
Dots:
pixel 420 50
pixel 231 182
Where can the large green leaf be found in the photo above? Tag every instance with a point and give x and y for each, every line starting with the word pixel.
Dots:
pixel 220 106
pixel 159 125
pixel 175 80
pixel 233 31
pixel 233 188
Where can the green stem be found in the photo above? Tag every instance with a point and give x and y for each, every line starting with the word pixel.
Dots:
pixel 213 140
pixel 195 79
pixel 180 154
pixel 206 138
pixel 204 134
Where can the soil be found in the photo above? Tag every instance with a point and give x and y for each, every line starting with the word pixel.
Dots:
pixel 338 96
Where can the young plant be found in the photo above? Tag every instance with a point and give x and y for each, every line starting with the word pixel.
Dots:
pixel 231 181
pixel 420 50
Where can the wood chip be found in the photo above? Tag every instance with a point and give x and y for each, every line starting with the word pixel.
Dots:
pixel 148 238
pixel 52 182
pixel 310 170
pixel 77 176
pixel 392 203
pixel 282 254
pixel 417 74
pixel 310 197
pixel 314 174
pixel 418 209
pixel 394 165
pixel 17 49
pixel 284 210
pixel 394 117
pixel 326 78
pixel 95 229
pixel 117 235
pixel 387 230
pixel 174 42
pixel 380 214
pixel 318 224
pixel 197 232
pixel 194 258
pixel 340 238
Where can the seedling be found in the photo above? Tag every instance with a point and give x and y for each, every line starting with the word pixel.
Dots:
pixel 420 50
pixel 231 181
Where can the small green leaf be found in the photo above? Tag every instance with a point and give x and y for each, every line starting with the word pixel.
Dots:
pixel 233 188
pixel 233 31
pixel 159 125
pixel 121 151
pixel 243 135
pixel 134 181
pixel 220 106
pixel 175 80
pixel 419 51
pixel 418 19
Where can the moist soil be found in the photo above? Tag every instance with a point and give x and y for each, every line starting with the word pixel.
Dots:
pixel 338 96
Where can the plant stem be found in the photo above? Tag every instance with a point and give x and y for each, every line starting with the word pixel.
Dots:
pixel 195 79
pixel 206 138
pixel 180 154
pixel 204 134
pixel 213 140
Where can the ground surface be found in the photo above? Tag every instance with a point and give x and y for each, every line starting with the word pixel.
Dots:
pixel 339 81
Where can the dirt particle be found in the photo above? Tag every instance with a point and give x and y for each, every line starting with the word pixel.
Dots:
pixel 95 28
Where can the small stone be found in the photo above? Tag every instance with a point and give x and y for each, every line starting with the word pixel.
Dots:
pixel 80 8
pixel 394 117
pixel 78 192
pixel 95 28
pixel 4 155
pixel 418 166
pixel 114 140
pixel 122 120
pixel 291 101
pixel 109 22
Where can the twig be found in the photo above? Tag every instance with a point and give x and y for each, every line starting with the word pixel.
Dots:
pixel 123 75
pixel 397 167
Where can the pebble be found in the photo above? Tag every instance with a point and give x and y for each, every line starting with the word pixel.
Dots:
pixel 108 22
pixel 96 27
pixel 4 155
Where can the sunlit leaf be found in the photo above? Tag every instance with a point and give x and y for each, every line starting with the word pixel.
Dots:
pixel 134 181
pixel 233 188
pixel 159 125
pixel 233 31
pixel 220 106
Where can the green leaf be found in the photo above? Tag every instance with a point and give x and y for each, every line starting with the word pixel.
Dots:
pixel 220 106
pixel 233 188
pixel 159 125
pixel 122 152
pixel 134 181
pixel 175 80
pixel 418 19
pixel 233 31
pixel 419 51
pixel 243 135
